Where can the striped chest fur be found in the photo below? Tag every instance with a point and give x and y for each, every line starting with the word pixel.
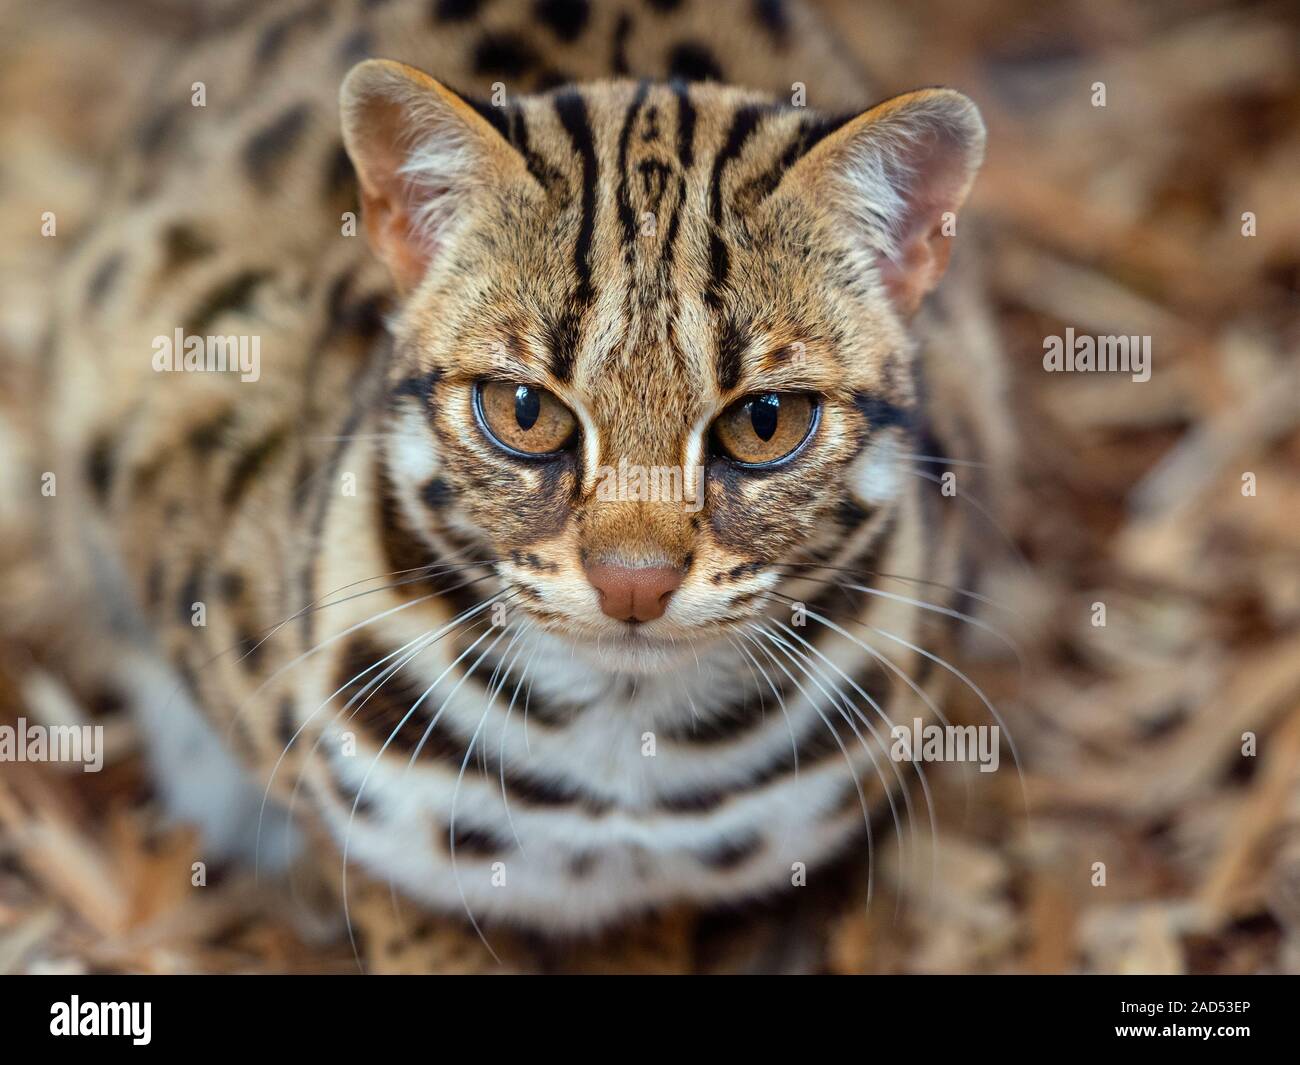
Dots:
pixel 561 551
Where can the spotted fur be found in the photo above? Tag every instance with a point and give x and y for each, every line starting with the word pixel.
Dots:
pixel 644 241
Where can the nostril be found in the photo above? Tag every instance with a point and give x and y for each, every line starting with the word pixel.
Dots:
pixel 634 593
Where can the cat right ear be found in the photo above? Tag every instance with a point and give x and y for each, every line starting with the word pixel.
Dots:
pixel 895 177
pixel 421 154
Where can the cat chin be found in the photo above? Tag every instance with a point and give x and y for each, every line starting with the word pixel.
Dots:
pixel 635 654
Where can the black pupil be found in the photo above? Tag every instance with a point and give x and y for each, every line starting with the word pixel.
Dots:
pixel 528 405
pixel 764 412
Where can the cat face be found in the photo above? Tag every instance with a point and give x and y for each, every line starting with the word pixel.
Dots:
pixel 653 346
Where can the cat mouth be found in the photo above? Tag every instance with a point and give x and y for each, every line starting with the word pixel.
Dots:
pixel 631 649
pixel 631 636
pixel 627 646
pixel 639 656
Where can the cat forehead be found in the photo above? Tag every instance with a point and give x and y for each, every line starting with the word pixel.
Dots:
pixel 634 140
pixel 652 264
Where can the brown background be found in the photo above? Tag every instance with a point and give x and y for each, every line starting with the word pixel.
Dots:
pixel 1117 220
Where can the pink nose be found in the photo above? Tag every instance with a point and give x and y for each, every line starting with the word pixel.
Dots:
pixel 628 594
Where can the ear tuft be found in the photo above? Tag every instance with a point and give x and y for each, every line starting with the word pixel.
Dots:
pixel 422 154
pixel 899 173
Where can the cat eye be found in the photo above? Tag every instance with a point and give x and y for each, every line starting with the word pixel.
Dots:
pixel 523 419
pixel 764 429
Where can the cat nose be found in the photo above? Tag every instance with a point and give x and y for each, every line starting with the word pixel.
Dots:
pixel 634 594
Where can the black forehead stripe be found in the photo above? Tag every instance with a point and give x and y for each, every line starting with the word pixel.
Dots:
pixel 742 128
pixel 572 112
pixel 811 132
pixel 519 137
pixel 733 339
pixel 625 212
pixel 674 221
pixel 562 342
pixel 881 414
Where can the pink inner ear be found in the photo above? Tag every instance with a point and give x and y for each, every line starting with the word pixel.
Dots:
pixel 403 217
pixel 405 208
pixel 921 258
pixel 931 175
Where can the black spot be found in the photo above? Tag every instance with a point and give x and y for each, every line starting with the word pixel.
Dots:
pixel 478 842
pixel 340 179
pixel 454 10
pixel 622 30
pixel 349 796
pixel 693 62
pixel 250 650
pixel 504 54
pixel 189 595
pixel 747 569
pixel 880 413
pixel 363 316
pixel 565 18
pixel 685 126
pixel 651 132
pixel 730 853
pixel 849 514
pixel 272 41
pixel 665 6
pixel 582 864
pixel 774 18
pixel 530 560
pixel 231 586
pixel 356 46
pixel 249 464
pixel 99 468
pixel 437 494
pixel 207 436
pixel 157 129
pixel 101 281
pixel 418 386
pixel 182 245
pixel 548 79
pixel 231 295
pixel 106 702
pixel 154 584
pixel 928 443
pixel 267 148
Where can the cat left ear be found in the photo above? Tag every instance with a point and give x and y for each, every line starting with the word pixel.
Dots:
pixel 898 174
pixel 422 156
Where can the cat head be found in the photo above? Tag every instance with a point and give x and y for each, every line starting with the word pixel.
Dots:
pixel 653 342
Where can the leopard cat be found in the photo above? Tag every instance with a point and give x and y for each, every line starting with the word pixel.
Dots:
pixel 576 533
